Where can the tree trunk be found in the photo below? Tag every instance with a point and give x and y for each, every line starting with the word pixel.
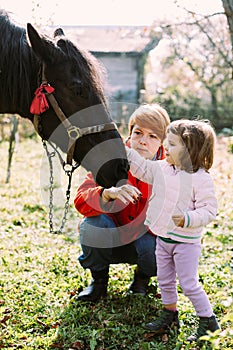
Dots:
pixel 228 9
pixel 214 109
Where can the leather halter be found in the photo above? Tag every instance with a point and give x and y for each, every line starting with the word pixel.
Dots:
pixel 73 131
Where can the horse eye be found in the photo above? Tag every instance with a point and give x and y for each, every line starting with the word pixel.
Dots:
pixel 76 87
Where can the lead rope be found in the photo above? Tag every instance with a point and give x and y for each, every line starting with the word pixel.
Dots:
pixel 69 173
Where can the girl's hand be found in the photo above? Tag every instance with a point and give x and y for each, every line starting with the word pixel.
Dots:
pixel 125 193
pixel 178 220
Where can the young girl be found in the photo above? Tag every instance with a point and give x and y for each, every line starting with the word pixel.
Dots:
pixel 182 202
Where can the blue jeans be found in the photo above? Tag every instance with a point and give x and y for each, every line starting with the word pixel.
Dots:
pixel 102 232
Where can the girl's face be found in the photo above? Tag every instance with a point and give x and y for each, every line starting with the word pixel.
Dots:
pixel 144 141
pixel 174 148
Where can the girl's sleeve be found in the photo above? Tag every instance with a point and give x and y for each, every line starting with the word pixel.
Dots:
pixel 205 204
pixel 143 169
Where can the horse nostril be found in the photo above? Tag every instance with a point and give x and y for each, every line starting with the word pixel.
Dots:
pixel 122 171
pixel 126 166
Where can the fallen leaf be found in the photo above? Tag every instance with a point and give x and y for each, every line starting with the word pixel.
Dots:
pixel 56 346
pixel 76 345
pixel 4 319
pixel 165 338
pixel 148 335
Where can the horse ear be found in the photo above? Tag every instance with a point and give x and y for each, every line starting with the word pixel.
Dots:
pixel 36 41
pixel 58 36
pixel 42 48
pixel 58 32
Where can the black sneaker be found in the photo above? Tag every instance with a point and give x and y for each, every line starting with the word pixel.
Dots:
pixel 98 287
pixel 94 292
pixel 164 322
pixel 205 324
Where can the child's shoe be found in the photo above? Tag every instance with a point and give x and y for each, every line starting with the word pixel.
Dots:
pixel 205 324
pixel 164 322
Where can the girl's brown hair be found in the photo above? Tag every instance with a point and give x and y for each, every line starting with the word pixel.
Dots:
pixel 199 139
pixel 151 116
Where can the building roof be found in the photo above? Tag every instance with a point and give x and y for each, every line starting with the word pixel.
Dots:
pixel 112 39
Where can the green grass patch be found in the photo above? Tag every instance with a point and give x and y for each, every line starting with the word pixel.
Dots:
pixel 40 273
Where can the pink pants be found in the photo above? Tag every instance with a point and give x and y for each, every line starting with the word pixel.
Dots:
pixel 181 259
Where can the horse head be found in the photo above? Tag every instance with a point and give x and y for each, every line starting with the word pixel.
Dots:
pixel 75 76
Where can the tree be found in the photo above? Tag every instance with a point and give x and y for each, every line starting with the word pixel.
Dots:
pixel 228 9
pixel 199 67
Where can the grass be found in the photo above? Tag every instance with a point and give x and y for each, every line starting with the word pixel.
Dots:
pixel 40 273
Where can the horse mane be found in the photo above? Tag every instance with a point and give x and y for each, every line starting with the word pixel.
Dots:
pixel 16 59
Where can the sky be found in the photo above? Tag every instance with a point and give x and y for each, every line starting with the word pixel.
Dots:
pixel 102 12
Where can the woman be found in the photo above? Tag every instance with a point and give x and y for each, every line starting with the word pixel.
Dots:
pixel 113 229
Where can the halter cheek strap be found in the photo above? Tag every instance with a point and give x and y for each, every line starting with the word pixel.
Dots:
pixel 40 105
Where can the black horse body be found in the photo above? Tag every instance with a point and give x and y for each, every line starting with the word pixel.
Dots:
pixel 75 76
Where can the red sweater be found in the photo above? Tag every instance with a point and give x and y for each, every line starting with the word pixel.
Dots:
pixel 130 219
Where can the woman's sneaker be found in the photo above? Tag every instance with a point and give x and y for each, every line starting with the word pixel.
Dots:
pixel 167 320
pixel 205 324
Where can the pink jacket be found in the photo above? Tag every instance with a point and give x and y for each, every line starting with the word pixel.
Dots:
pixel 175 192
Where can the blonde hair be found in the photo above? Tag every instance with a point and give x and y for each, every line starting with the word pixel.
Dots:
pixel 199 139
pixel 151 116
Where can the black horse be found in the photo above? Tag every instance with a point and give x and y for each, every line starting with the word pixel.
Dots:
pixel 76 115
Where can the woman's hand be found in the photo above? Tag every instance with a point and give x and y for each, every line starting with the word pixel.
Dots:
pixel 125 193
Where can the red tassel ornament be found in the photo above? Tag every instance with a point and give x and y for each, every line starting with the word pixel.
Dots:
pixel 40 104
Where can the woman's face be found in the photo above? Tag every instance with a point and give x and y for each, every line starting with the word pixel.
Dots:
pixel 144 141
